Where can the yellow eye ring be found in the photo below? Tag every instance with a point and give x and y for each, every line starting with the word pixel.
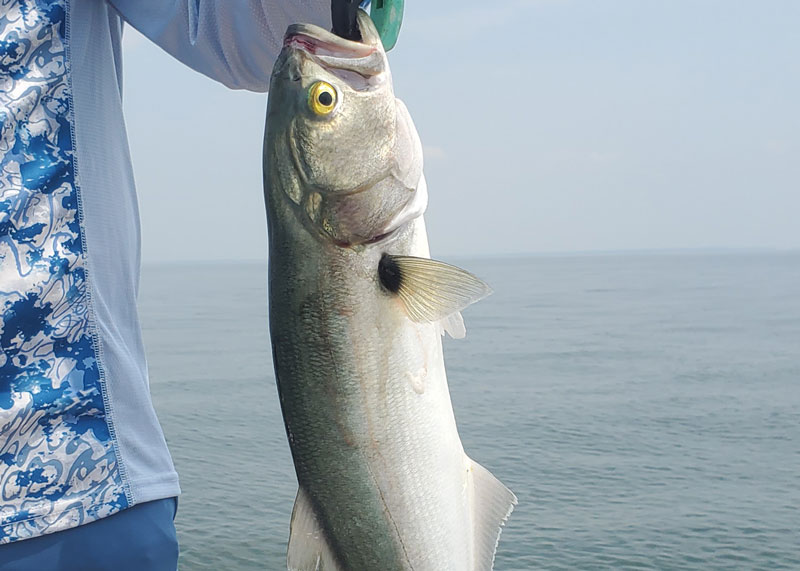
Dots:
pixel 322 98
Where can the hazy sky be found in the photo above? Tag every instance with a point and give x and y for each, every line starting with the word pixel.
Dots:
pixel 548 126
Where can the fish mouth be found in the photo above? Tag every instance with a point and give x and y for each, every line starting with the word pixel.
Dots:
pixel 361 64
pixel 317 41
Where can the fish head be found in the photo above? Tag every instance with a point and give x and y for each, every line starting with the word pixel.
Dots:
pixel 339 145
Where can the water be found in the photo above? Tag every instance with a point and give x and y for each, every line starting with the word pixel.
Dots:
pixel 645 409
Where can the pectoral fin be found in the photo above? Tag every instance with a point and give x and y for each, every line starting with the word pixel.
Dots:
pixel 431 291
pixel 308 549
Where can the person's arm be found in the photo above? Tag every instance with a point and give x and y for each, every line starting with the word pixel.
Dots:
pixel 234 42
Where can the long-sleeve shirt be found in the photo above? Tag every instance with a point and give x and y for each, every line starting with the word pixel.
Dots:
pixel 79 439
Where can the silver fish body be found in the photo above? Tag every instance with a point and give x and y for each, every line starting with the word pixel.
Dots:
pixel 384 483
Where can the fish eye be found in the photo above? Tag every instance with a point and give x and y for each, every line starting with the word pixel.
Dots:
pixel 322 98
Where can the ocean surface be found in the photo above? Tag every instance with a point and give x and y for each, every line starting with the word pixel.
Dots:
pixel 644 408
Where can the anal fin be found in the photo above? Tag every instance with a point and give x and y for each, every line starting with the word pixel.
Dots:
pixel 491 504
pixel 308 548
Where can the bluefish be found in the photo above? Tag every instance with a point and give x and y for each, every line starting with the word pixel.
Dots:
pixel 357 313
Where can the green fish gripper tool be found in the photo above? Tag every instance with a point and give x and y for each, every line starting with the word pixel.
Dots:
pixel 388 17
pixel 386 14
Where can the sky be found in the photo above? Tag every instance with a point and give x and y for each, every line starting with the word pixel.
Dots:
pixel 548 126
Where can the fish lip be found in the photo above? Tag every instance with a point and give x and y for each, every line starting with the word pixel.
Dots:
pixel 317 41
pixel 361 65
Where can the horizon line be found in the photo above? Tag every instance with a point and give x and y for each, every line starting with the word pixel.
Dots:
pixel 707 250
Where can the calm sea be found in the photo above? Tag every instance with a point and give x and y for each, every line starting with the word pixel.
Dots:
pixel 644 408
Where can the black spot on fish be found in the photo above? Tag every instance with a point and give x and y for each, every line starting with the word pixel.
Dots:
pixel 389 273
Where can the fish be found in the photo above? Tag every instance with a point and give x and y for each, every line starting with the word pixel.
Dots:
pixel 357 314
